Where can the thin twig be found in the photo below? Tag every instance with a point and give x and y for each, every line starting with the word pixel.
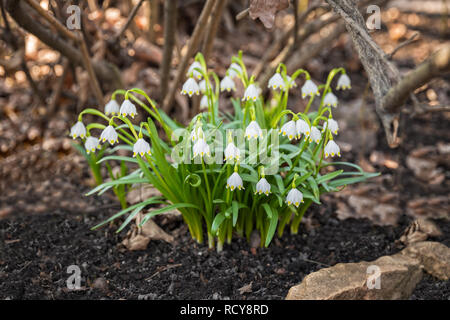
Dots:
pixel 192 47
pixel 296 22
pixel 59 86
pixel 79 39
pixel 401 45
pixel 241 15
pixel 213 25
pixel 170 25
pixel 154 13
pixel 20 12
pixel 304 33
pixel 88 66
pixel 52 20
pixel 428 109
pixel 130 19
pixel 165 268
pixel 15 45
pixel 288 34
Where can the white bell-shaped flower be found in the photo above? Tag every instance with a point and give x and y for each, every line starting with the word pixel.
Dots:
pixel 302 128
pixel 141 147
pixel 235 182
pixel 190 87
pixel 227 84
pixel 253 130
pixel 112 107
pixel 201 148
pixel 315 135
pixel 192 70
pixel 91 144
pixel 234 70
pixel 127 108
pixel 196 133
pixel 263 187
pixel 204 102
pixel 232 152
pixel 78 130
pixel 289 129
pixel 251 93
pixel 109 134
pixel 343 82
pixel 332 125
pixel 294 197
pixel 332 149
pixel 309 89
pixel 276 82
pixel 330 100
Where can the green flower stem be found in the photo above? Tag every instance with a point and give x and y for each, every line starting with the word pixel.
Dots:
pixel 298 217
pixel 328 83
pixel 324 135
pixel 244 75
pixel 309 103
pixel 94 112
pixel 297 159
pixel 299 72
pixel 118 91
pixel 208 190
pixel 130 125
pixel 285 217
pixel 163 182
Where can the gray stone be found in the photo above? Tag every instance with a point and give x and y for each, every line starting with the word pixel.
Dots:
pixel 398 276
pixel 434 257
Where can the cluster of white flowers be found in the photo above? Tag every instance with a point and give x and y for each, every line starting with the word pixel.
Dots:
pixel 291 129
pixel 109 133
pixel 277 82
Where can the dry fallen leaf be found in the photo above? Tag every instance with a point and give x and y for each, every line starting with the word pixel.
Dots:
pixel 246 289
pixel 141 193
pixel 138 238
pixel 152 231
pixel 136 242
pixel 266 10
pixel 419 230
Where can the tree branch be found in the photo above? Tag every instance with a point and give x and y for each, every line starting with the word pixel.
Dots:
pixel 383 75
pixel 127 24
pixel 434 66
pixel 213 25
pixel 170 25
pixel 19 11
pixel 192 47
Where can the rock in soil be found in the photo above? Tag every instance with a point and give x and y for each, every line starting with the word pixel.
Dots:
pixel 387 278
pixel 433 256
pixel 36 250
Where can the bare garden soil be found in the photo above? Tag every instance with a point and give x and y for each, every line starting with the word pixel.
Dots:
pixel 36 251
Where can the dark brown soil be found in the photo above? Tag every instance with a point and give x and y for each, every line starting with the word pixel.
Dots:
pixel 36 251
